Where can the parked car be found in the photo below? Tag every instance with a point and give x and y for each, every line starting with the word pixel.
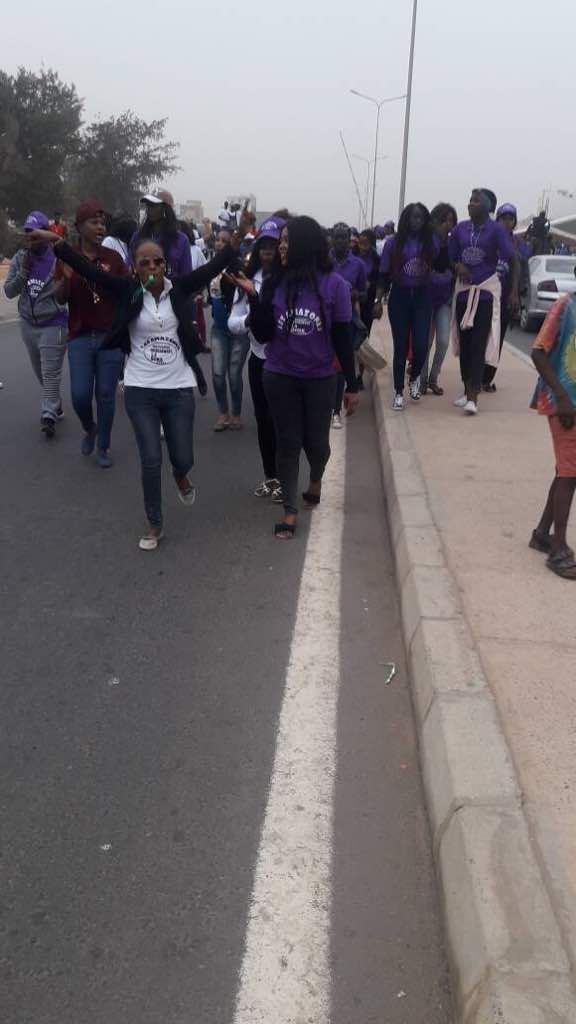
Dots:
pixel 548 277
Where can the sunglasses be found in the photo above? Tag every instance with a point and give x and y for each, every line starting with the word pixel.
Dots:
pixel 151 261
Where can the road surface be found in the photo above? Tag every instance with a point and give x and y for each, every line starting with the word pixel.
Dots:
pixel 210 800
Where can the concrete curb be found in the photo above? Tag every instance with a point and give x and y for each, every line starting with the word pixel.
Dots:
pixel 504 944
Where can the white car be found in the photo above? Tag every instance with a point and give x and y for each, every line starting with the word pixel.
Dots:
pixel 548 278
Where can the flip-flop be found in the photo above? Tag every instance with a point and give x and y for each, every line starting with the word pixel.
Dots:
pixel 540 542
pixel 563 564
pixel 284 531
pixel 312 500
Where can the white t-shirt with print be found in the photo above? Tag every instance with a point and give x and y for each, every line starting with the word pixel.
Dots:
pixel 156 358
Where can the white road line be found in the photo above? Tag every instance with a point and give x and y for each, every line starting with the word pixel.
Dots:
pixel 285 974
pixel 520 354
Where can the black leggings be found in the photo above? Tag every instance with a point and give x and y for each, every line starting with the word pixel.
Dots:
pixel 301 408
pixel 264 421
pixel 473 342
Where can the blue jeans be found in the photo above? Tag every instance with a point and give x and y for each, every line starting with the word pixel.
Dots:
pixel 229 353
pixel 442 321
pixel 410 313
pixel 147 408
pixel 94 370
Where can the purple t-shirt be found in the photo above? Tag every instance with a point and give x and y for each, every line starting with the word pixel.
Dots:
pixel 441 288
pixel 41 270
pixel 480 248
pixel 301 345
pixel 179 260
pixel 353 270
pixel 414 271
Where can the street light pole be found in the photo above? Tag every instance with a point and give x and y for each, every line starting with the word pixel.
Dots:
pixel 407 112
pixel 358 156
pixel 378 104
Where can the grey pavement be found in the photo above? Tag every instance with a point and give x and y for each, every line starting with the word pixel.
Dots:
pixel 141 695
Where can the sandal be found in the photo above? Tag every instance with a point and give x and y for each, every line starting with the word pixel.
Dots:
pixel 540 542
pixel 562 563
pixel 150 540
pixel 284 531
pixel 435 388
pixel 312 500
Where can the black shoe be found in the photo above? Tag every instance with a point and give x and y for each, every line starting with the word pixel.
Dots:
pixel 48 427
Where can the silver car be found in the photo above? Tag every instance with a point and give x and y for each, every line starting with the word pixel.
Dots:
pixel 548 277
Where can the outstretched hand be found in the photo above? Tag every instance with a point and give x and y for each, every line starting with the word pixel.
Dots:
pixel 242 282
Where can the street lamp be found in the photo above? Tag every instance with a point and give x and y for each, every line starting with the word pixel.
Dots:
pixel 407 111
pixel 368 163
pixel 378 104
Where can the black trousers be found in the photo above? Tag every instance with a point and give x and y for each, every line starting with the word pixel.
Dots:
pixel 473 342
pixel 301 408
pixel 264 421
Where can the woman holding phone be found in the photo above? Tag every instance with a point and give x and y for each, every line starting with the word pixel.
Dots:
pixel 303 315
pixel 153 329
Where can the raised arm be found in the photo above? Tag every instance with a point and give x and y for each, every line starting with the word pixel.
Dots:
pixel 87 268
pixel 199 278
pixel 114 283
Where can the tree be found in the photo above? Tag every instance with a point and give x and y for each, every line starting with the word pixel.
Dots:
pixel 120 159
pixel 39 132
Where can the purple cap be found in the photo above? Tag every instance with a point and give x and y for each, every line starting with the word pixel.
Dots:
pixel 507 208
pixel 271 228
pixel 36 219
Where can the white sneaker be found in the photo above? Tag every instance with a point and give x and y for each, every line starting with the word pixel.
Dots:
pixel 398 404
pixel 150 540
pixel 337 421
pixel 471 408
pixel 414 389
pixel 460 402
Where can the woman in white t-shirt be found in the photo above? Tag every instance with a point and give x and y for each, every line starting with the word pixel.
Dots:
pixel 154 330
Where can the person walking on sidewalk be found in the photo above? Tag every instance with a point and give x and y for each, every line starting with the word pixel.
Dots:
pixel 43 319
pixel 353 270
pixel 510 273
pixel 304 316
pixel 94 371
pixel 475 246
pixel 263 261
pixel 444 219
pixel 153 329
pixel 229 351
pixel 554 356
pixel 405 267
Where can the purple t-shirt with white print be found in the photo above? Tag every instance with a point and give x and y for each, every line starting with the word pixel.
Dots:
pixel 353 270
pixel 40 273
pixel 301 345
pixel 480 248
pixel 414 271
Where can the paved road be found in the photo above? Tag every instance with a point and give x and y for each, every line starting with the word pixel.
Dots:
pixel 522 340
pixel 141 750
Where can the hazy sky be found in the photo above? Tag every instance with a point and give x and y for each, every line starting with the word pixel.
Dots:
pixel 256 93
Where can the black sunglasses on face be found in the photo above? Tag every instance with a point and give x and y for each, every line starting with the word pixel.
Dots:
pixel 151 261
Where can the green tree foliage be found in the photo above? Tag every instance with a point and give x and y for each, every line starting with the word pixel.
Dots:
pixel 49 161
pixel 39 132
pixel 120 158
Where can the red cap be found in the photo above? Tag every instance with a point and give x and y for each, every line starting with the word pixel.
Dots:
pixel 86 211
